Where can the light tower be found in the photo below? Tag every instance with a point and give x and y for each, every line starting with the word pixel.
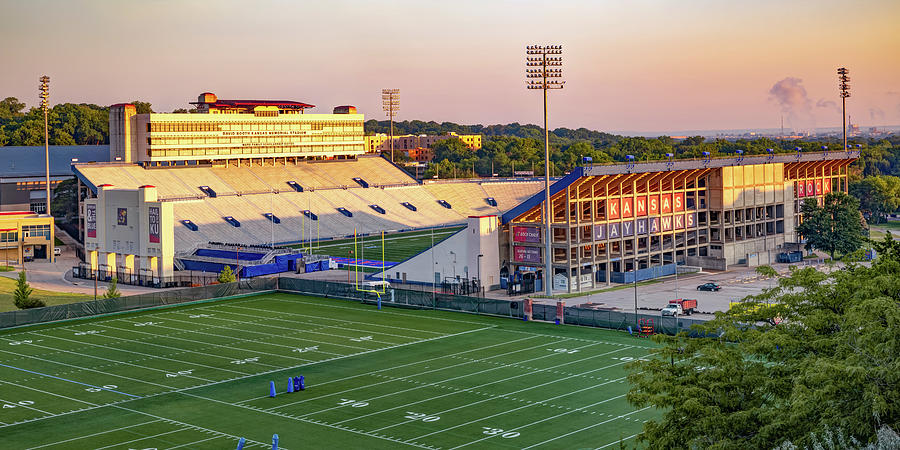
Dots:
pixel 543 67
pixel 45 104
pixel 844 77
pixel 390 99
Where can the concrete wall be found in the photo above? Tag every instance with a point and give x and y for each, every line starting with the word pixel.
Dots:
pixel 707 262
pixel 456 256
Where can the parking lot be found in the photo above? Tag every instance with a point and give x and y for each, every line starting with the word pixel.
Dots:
pixel 735 283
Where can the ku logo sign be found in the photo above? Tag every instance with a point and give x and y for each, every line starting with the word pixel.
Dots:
pixel 122 216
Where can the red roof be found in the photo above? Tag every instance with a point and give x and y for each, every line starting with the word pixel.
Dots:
pixel 284 104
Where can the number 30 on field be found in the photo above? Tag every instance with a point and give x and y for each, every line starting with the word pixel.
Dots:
pixel 499 432
pixel 22 403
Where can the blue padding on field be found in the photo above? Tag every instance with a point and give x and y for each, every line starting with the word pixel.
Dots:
pixel 229 254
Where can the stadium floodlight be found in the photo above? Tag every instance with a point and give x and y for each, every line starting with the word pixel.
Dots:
pixel 542 69
pixel 45 104
pixel 390 100
pixel 844 78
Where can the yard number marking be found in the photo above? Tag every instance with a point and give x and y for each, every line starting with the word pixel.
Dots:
pixel 629 358
pixel 353 403
pixel 106 386
pixel 421 416
pixel 360 339
pixel 179 373
pixel 306 349
pixel 500 432
pixel 199 316
pixel 563 350
pixel 144 324
pixel 245 361
pixel 84 333
pixel 17 404
pixel 26 341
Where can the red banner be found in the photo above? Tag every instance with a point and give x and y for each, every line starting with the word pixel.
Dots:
pixel 526 234
pixel 627 208
pixel 612 208
pixel 653 204
pixel 678 202
pixel 665 203
pixel 640 206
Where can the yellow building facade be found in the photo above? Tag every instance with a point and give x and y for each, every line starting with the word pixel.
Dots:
pixel 25 236
pixel 226 130
pixel 382 142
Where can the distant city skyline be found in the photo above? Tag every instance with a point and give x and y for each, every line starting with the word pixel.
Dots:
pixel 646 66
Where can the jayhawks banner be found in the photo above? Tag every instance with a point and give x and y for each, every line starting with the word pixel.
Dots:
pixel 90 219
pixel 526 234
pixel 153 219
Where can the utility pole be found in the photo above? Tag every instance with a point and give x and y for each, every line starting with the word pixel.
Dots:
pixel 844 77
pixel 543 65
pixel 390 100
pixel 45 104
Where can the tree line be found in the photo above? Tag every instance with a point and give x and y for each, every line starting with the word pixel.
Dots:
pixel 69 123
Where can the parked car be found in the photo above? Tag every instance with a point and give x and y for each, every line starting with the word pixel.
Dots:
pixel 709 287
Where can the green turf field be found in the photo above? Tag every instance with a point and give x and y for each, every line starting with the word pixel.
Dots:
pixel 397 246
pixel 198 377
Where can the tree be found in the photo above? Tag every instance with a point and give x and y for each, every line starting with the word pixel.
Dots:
pixel 112 291
pixel 877 195
pixel 65 199
pixel 226 275
pixel 22 295
pixel 835 226
pixel 142 107
pixel 824 352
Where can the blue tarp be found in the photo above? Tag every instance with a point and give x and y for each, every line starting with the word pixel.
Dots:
pixel 204 266
pixel 642 274
pixel 228 254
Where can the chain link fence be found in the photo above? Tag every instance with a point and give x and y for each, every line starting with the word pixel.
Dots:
pixel 133 302
pixel 404 298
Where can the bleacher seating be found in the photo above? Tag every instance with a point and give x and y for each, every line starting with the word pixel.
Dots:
pixel 267 207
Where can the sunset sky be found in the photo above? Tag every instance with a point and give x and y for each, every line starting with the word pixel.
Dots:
pixel 629 66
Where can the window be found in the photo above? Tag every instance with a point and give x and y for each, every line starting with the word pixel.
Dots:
pixel 9 236
pixel 36 231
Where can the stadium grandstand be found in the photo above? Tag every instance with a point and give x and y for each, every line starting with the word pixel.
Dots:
pixel 255 172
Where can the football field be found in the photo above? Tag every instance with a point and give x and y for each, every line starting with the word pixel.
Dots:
pixel 198 376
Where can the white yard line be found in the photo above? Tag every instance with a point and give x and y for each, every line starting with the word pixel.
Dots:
pixel 89 369
pixel 140 353
pixel 114 361
pixel 368 385
pixel 194 427
pixel 325 305
pixel 532 372
pixel 92 435
pixel 17 405
pixel 510 393
pixel 331 318
pixel 141 439
pixel 576 431
pixel 195 442
pixel 238 330
pixel 144 342
pixel 372 372
pixel 616 442
pixel 255 352
pixel 293 330
pixel 320 325
pixel 48 393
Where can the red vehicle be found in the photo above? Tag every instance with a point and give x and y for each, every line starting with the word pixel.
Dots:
pixel 680 306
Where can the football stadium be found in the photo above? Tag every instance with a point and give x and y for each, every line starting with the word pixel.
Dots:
pixel 380 361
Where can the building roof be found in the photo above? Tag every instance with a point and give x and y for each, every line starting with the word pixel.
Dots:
pixel 664 166
pixel 283 104
pixel 29 161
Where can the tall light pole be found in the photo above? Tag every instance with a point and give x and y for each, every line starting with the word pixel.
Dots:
pixel 45 104
pixel 543 66
pixel 844 77
pixel 390 100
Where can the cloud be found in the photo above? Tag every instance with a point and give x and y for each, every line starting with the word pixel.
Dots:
pixel 791 96
pixel 830 104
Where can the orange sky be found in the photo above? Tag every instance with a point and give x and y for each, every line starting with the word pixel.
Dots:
pixel 632 66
